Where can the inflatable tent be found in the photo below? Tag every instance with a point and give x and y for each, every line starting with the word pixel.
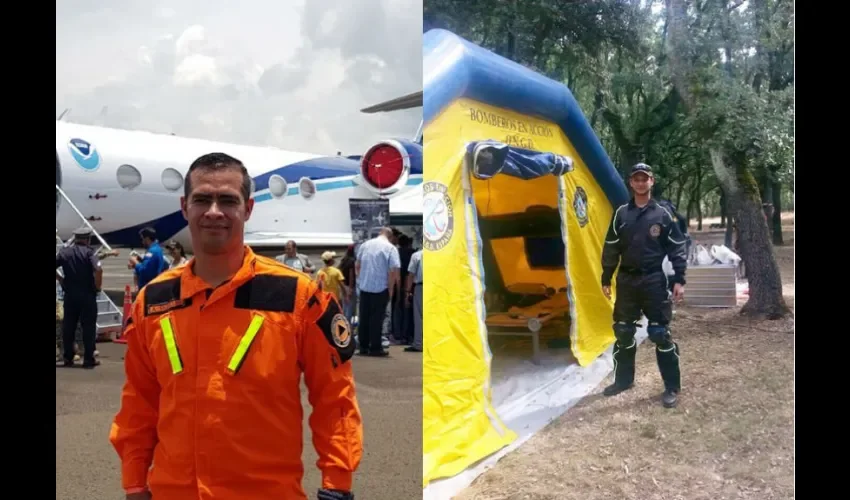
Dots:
pixel 517 196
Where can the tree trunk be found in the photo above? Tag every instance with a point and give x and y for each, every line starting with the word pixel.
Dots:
pixel 699 215
pixel 680 188
pixel 723 212
pixel 699 198
pixel 730 232
pixel 763 275
pixel 739 185
pixel 729 224
pixel 777 214
pixel 598 102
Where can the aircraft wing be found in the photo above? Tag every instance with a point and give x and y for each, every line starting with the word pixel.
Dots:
pixel 270 239
pixel 409 203
pixel 413 100
pixel 406 209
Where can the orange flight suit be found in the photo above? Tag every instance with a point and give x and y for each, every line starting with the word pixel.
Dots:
pixel 219 427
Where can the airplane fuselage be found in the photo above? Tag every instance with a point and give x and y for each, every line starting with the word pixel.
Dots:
pixel 122 181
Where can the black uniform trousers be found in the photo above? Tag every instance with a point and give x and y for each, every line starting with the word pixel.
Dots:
pixel 80 307
pixel 373 310
pixel 648 294
pixel 402 319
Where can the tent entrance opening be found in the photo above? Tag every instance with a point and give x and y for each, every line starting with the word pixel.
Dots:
pixel 523 255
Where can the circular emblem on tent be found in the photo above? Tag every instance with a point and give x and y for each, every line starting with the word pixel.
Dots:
pixel 437 216
pixel 580 206
pixel 341 331
pixel 655 230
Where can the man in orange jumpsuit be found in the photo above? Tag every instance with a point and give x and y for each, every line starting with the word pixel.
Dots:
pixel 211 407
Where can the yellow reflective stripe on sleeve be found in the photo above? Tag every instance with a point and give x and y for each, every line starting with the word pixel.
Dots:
pixel 245 344
pixel 171 346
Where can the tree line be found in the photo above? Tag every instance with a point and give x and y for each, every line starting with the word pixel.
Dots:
pixel 702 90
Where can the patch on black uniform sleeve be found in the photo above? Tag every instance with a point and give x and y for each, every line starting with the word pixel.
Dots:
pixel 337 331
pixel 267 292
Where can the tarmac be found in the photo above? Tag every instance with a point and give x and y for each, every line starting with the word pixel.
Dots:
pixel 389 393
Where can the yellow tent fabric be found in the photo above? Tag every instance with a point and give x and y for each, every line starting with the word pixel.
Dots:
pixel 460 426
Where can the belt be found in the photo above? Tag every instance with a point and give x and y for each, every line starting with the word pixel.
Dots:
pixel 630 271
pixel 417 284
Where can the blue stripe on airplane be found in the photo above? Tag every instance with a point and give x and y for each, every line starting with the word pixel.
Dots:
pixel 316 169
pixel 325 167
pixel 326 186
pixel 171 224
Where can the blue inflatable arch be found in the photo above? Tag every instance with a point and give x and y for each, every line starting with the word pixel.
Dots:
pixel 456 68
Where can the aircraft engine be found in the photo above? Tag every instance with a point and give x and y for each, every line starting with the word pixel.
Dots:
pixel 386 166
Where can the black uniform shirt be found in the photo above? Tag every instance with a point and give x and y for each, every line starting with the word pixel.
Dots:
pixel 639 238
pixel 78 263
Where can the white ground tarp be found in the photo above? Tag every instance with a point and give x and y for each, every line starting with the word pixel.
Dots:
pixel 528 397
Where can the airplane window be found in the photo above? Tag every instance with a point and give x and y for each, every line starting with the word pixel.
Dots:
pixel 172 180
pixel 128 177
pixel 277 186
pixel 307 188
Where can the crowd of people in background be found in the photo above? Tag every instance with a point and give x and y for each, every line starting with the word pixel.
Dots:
pixel 377 283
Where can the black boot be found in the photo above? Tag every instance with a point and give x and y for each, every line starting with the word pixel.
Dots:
pixel 667 357
pixel 624 369
pixel 670 398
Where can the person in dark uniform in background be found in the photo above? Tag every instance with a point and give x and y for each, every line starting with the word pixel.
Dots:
pixel 346 267
pixel 403 322
pixel 81 279
pixel 641 234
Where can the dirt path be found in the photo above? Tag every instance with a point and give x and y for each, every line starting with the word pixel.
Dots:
pixel 731 437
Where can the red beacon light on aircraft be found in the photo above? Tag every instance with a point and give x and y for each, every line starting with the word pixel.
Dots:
pixel 386 166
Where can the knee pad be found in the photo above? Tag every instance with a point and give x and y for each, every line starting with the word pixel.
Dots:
pixel 659 334
pixel 625 333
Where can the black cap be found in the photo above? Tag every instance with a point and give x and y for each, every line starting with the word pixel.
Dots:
pixel 641 168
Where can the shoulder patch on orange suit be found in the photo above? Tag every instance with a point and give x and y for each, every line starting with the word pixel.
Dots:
pixel 336 329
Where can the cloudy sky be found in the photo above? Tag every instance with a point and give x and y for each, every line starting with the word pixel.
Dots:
pixel 287 73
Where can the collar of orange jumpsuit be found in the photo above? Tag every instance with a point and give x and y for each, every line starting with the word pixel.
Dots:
pixel 212 395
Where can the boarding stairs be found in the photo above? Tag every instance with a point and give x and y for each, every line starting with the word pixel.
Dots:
pixel 110 318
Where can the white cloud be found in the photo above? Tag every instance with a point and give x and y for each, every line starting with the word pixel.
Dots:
pixel 292 73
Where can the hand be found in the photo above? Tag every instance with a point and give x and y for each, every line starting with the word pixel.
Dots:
pixel 678 292
pixel 606 290
pixel 145 495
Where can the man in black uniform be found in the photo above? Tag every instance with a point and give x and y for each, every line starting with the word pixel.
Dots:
pixel 641 234
pixel 83 277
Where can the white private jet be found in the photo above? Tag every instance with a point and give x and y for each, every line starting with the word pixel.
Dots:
pixel 120 181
